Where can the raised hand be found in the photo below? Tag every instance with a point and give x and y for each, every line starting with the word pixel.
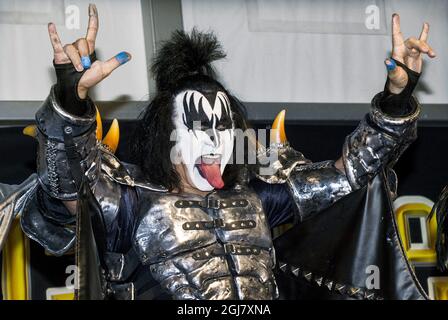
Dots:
pixel 78 53
pixel 408 52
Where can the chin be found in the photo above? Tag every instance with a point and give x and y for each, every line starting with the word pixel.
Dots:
pixel 197 181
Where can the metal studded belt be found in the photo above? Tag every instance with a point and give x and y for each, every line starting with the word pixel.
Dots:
pixel 211 203
pixel 228 248
pixel 219 224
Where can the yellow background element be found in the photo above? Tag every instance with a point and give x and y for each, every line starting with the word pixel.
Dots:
pixel 417 210
pixel 15 271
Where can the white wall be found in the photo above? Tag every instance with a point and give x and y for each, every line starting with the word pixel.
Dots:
pixel 26 53
pixel 317 50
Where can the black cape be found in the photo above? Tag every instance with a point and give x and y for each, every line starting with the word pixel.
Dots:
pixel 351 250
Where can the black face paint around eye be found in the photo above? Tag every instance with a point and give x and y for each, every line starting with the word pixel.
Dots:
pixel 197 114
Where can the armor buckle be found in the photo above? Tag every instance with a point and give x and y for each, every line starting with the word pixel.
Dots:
pixel 229 248
pixel 213 203
pixel 218 223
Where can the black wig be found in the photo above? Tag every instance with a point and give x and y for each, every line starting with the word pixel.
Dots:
pixel 183 62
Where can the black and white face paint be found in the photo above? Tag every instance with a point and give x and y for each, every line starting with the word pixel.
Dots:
pixel 204 136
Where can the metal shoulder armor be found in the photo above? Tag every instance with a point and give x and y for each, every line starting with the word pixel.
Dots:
pixel 53 228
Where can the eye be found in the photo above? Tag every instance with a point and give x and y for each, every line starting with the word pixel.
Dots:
pixel 221 127
pixel 204 127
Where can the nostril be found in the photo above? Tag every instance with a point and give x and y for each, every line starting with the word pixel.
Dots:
pixel 212 138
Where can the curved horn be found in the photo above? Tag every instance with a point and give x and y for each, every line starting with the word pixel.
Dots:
pixel 30 130
pixel 113 136
pixel 99 126
pixel 278 129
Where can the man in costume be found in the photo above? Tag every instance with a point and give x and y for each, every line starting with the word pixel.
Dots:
pixel 184 222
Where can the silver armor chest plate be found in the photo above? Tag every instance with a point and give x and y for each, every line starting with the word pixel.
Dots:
pixel 217 247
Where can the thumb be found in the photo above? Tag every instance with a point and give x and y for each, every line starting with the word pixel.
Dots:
pixel 397 76
pixel 392 70
pixel 116 61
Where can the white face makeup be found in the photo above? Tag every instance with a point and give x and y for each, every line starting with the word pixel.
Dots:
pixel 204 136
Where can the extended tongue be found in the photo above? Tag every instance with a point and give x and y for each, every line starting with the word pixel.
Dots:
pixel 212 172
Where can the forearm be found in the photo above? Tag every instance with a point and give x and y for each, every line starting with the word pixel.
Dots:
pixel 53 163
pixel 316 186
pixel 379 140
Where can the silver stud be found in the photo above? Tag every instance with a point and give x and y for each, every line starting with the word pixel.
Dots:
pixel 369 295
pixel 339 287
pixel 296 271
pixel 308 275
pixel 319 281
pixel 329 284
pixel 354 291
pixel 283 267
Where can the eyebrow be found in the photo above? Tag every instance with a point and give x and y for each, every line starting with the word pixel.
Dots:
pixel 193 112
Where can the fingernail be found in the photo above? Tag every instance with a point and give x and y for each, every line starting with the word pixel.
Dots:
pixel 390 65
pixel 122 57
pixel 86 63
pixel 79 68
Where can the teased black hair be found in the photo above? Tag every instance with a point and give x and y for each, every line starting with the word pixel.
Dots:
pixel 184 62
pixel 186 55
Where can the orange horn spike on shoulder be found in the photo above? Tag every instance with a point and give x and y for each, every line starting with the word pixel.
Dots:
pixel 99 126
pixel 113 136
pixel 30 130
pixel 278 134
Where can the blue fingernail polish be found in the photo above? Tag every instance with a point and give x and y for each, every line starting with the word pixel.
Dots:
pixel 86 63
pixel 122 57
pixel 391 65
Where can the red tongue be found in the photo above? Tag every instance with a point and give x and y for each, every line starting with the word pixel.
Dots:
pixel 212 172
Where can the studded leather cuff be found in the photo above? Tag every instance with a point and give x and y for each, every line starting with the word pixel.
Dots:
pixel 53 167
pixel 316 186
pixel 377 142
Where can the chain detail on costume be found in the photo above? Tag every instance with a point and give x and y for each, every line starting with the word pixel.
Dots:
pixel 50 157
